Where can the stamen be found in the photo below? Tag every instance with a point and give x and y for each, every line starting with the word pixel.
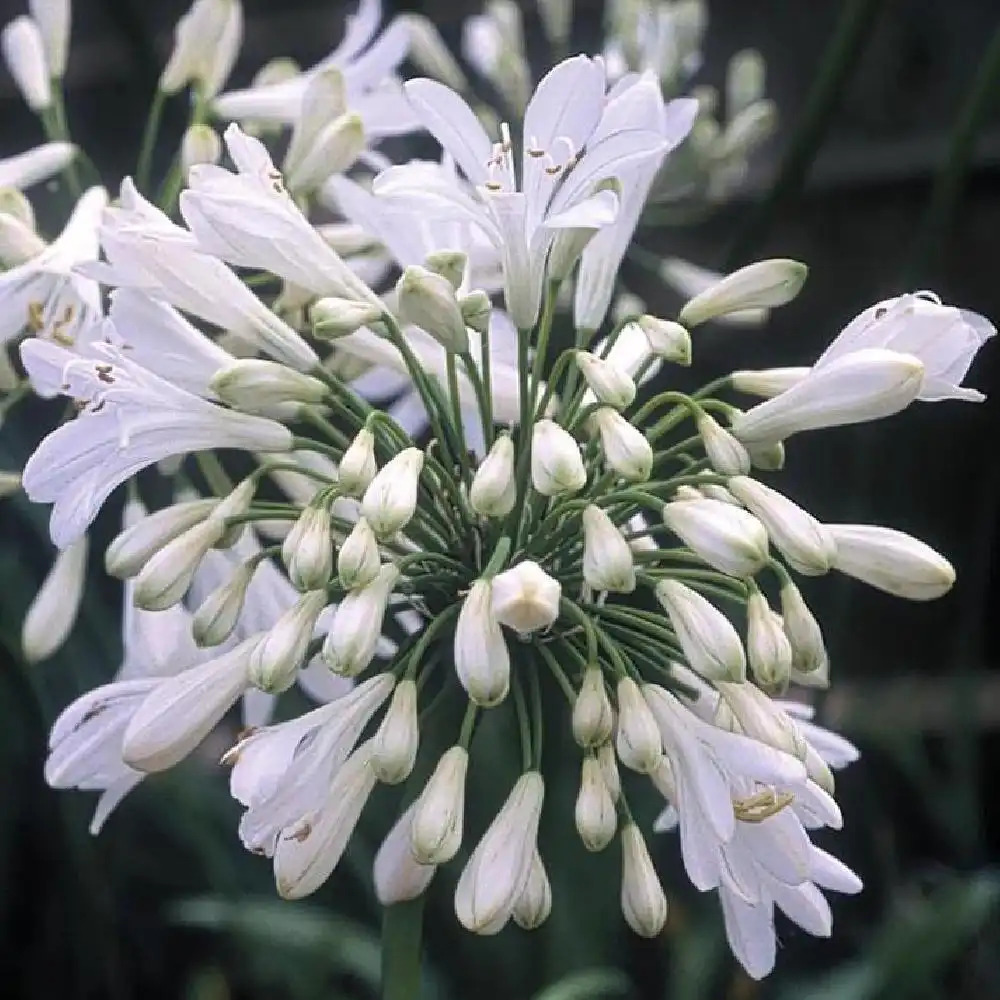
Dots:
pixel 761 806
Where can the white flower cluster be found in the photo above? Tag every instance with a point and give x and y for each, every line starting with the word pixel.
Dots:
pixel 510 542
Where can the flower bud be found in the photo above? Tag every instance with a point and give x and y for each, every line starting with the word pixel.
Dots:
pixel 450 264
pixel 136 545
pixel 626 449
pixel 556 463
pixel 24 52
pixel 18 240
pixel 15 203
pixel 332 317
pixel 265 387
pixel 593 718
pixel 165 578
pixel 200 144
pixel 476 309
pixel 357 624
pixel 711 645
pixel 53 20
pixel 497 873
pixel 333 150
pixel 637 739
pixel 891 560
pixel 609 383
pixel 494 488
pixel 429 53
pixel 769 457
pixel 52 613
pixel 768 648
pixel 667 340
pixel 862 385
pixel 482 661
pixel 391 497
pixel 438 816
pixel 216 618
pixel 745 76
pixel 596 819
pixel 609 769
pixel 358 561
pixel 607 558
pixel 526 598
pixel 277 657
pixel 398 876
pixel 749 128
pixel 307 550
pixel 206 41
pixel 357 467
pixel 767 382
pixel 535 904
pixel 807 545
pixel 427 300
pixel 398 737
pixel 803 631
pixel 643 903
pixel 762 285
pixel 726 455
pixel 746 709
pixel 726 537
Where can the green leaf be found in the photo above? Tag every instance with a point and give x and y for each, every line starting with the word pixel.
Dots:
pixel 588 983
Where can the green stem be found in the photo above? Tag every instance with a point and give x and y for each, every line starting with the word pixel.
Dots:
pixel 402 929
pixel 215 475
pixel 483 398
pixel 149 136
pixel 451 363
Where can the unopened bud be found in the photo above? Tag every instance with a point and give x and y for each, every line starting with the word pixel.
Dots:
pixel 494 488
pixel 745 77
pixel 24 53
pixel 767 382
pixel 430 54
pixel 450 264
pixel 398 737
pixel 427 300
pixel 763 285
pixel 275 660
pixel 53 20
pixel 482 661
pixel 333 317
pixel 201 144
pixel 593 717
pixel 307 550
pixel 391 497
pixel 607 558
pixel 358 561
pixel 725 453
pixel 534 904
pixel 397 874
pixel 216 618
pixel 266 387
pixel 439 814
pixel 165 578
pixel 596 819
pixel 626 450
pixel 637 739
pixel 768 648
pixel 609 769
pixel 357 624
pixel 644 904
pixel 667 340
pixel 609 383
pixel 136 545
pixel 476 309
pixel 803 631
pixel 526 598
pixel 556 462
pixel 357 467
pixel 770 457
pixel 729 539
pixel 333 151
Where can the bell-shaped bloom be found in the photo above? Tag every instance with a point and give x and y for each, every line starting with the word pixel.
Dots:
pixel 856 387
pixel 564 159
pixel 497 872
pixel 482 661
pixel 35 165
pixel 526 598
pixel 132 419
pixel 891 561
pixel 45 295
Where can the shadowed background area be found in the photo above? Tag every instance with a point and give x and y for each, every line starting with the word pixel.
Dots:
pixel 884 177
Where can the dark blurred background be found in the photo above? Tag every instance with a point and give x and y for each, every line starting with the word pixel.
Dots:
pixel 884 177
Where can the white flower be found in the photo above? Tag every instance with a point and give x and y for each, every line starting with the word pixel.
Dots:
pixel 37 164
pixel 807 545
pixel 52 613
pixel 398 876
pixel 711 645
pixel 493 45
pixel 692 281
pixel 24 52
pixel 497 872
pixel 768 647
pixel 859 386
pixel 521 215
pixel 667 340
pixel 206 42
pixel 609 383
pixel 626 450
pixel 761 285
pixel 482 661
pixel 494 489
pixel 891 561
pixel 307 550
pixel 390 499
pixel 439 812
pixel 728 538
pixel 607 558
pixel 178 713
pixel 218 614
pixel 357 624
pixel 593 718
pixel 45 295
pixel 556 462
pixel 394 749
pixel 427 300
pixel 199 144
pixel 358 561
pixel 53 20
pixel 267 388
pixel 132 419
pixel 637 738
pixel 594 812
pixel 145 250
pixel 357 467
pixel 725 453
pixel 249 219
pixel 644 904
pixel 281 650
pixel 526 598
